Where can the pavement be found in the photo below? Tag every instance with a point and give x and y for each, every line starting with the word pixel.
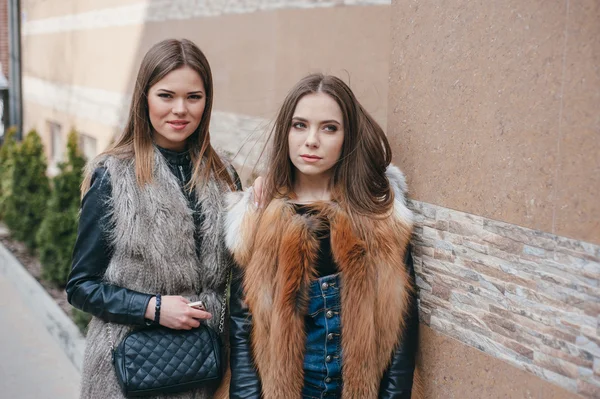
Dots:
pixel 34 363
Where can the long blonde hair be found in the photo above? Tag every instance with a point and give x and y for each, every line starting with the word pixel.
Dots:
pixel 136 139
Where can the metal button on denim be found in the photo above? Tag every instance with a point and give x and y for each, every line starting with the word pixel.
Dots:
pixel 323 357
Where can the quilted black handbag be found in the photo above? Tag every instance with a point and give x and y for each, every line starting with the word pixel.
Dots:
pixel 159 360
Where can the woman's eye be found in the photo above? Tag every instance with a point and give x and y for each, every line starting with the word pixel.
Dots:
pixel 299 125
pixel 195 97
pixel 164 95
pixel 330 128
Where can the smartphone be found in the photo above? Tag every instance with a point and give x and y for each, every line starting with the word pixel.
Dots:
pixel 197 305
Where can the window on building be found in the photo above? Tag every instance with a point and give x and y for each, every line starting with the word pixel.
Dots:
pixel 57 148
pixel 87 145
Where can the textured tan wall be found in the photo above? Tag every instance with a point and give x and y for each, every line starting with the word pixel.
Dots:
pixel 452 370
pixel 99 58
pixel 578 179
pixel 256 57
pixel 36 9
pixel 37 117
pixel 494 109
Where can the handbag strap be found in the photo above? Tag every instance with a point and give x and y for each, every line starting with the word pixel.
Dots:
pixel 110 338
pixel 224 308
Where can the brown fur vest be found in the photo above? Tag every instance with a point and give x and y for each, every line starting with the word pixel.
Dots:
pixel 277 251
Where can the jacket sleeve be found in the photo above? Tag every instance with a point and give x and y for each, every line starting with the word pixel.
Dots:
pixel 245 382
pixel 237 182
pixel 397 380
pixel 86 289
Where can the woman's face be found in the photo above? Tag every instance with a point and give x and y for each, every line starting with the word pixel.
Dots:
pixel 316 136
pixel 176 104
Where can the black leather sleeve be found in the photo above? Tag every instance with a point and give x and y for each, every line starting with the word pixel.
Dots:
pixel 86 289
pixel 245 382
pixel 398 379
pixel 236 178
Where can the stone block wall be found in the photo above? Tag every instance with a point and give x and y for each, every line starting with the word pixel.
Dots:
pixel 523 296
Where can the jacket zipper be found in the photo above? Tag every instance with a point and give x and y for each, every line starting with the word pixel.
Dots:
pixel 182 175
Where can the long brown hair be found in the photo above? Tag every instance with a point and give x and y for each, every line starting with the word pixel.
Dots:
pixel 359 183
pixel 136 139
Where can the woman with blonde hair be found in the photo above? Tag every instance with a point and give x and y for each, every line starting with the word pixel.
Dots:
pixel 323 303
pixel 149 240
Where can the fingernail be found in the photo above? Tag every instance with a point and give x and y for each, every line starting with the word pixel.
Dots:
pixel 256 204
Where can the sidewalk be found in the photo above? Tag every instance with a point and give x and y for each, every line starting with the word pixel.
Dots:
pixel 33 365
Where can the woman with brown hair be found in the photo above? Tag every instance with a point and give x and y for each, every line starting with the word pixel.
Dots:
pixel 322 301
pixel 149 240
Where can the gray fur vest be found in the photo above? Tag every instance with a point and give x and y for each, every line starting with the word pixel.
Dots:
pixel 154 251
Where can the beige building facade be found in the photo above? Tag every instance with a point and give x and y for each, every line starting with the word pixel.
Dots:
pixel 4 48
pixel 493 112
pixel 80 58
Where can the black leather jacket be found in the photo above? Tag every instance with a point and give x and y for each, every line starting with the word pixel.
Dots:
pixel 245 382
pixel 86 289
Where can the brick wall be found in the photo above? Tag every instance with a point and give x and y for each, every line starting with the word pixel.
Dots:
pixel 4 36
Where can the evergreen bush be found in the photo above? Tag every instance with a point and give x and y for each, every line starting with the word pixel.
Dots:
pixel 7 155
pixel 58 231
pixel 81 319
pixel 25 205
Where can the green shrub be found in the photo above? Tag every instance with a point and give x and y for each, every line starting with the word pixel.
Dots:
pixel 58 232
pixel 25 205
pixel 7 155
pixel 81 319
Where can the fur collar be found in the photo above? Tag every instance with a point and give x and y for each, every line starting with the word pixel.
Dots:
pixel 277 251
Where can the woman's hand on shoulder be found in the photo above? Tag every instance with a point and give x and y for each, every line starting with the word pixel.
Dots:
pixel 257 192
pixel 176 314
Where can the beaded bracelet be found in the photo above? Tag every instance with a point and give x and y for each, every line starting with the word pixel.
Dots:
pixel 157 311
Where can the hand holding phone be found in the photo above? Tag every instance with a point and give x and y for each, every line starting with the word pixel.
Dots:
pixel 197 305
